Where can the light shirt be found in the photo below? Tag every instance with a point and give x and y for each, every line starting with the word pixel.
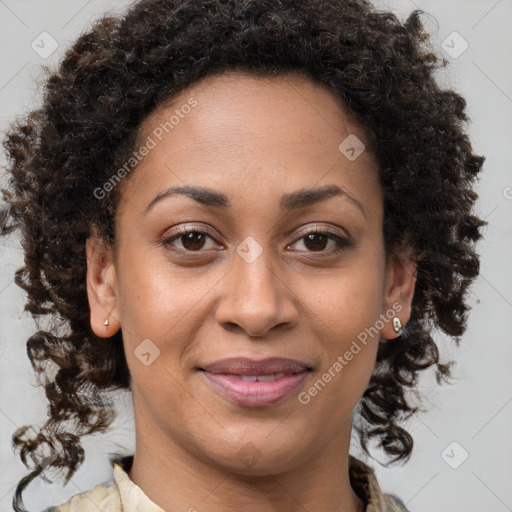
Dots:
pixel 120 494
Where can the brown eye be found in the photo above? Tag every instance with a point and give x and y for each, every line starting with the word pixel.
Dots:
pixel 193 240
pixel 323 242
pixel 190 240
pixel 316 241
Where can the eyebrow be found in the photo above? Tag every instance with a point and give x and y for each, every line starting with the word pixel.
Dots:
pixel 291 201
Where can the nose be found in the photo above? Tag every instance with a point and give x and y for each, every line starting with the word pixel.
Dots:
pixel 255 299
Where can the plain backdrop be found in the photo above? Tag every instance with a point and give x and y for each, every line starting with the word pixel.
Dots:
pixel 463 444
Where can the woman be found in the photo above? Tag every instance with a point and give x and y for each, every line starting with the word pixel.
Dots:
pixel 252 215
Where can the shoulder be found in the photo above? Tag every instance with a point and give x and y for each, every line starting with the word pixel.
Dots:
pixel 366 486
pixel 393 503
pixel 104 497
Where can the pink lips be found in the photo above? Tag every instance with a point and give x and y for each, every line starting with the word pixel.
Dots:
pixel 256 383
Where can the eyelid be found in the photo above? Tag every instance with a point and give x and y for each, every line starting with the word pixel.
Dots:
pixel 317 228
pixel 183 230
pixel 343 241
pixel 180 231
pixel 324 230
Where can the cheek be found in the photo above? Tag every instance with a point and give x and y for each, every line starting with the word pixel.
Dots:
pixel 344 311
pixel 348 300
pixel 161 303
pixel 154 296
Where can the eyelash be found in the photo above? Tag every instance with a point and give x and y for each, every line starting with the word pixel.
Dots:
pixel 342 243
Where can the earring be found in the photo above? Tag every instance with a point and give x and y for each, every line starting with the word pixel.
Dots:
pixel 397 324
pixel 105 323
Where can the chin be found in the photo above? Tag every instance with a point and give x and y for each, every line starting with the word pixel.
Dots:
pixel 256 457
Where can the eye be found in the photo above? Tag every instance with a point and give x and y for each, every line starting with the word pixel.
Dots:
pixel 322 241
pixel 189 239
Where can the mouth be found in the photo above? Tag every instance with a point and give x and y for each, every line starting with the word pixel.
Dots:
pixel 249 367
pixel 250 383
pixel 260 378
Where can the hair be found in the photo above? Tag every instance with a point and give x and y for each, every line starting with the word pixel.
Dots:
pixel 124 67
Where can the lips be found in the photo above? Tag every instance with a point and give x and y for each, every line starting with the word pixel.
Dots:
pixel 248 367
pixel 256 383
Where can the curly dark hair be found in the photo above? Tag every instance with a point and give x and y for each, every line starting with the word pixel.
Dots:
pixel 125 66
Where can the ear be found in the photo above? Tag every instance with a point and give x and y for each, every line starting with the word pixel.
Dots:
pixel 399 290
pixel 101 288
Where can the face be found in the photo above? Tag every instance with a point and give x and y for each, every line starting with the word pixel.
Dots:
pixel 272 246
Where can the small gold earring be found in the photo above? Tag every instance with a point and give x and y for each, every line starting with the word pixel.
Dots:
pixel 105 323
pixel 397 324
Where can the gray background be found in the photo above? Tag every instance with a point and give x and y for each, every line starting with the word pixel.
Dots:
pixel 471 418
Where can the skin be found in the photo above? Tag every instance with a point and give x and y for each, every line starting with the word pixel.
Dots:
pixel 254 140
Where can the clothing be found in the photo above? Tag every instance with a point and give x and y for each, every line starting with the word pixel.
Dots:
pixel 120 494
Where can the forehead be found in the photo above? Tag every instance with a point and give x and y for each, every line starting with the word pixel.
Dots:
pixel 255 105
pixel 238 130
